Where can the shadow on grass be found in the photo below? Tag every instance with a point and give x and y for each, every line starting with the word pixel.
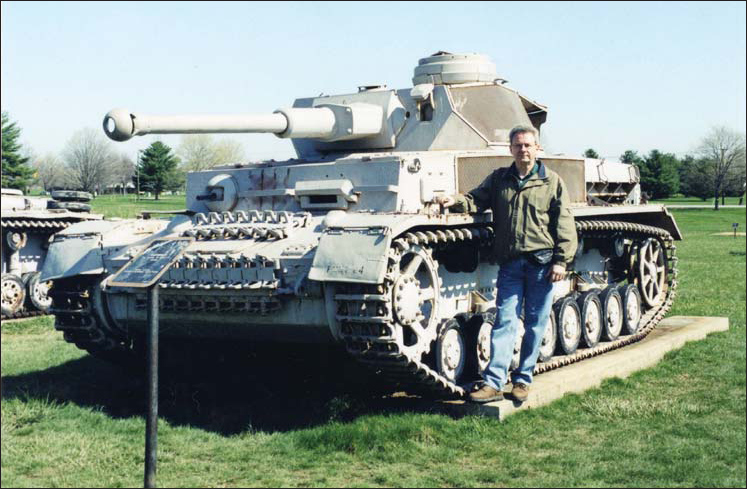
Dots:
pixel 227 395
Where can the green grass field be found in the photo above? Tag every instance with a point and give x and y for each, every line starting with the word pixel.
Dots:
pixel 682 200
pixel 127 206
pixel 71 420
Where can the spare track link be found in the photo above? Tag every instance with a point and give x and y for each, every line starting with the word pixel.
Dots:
pixel 48 226
pixel 72 306
pixel 367 324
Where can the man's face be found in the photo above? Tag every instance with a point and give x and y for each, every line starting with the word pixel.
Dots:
pixel 524 148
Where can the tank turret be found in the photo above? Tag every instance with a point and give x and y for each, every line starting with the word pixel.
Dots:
pixel 458 101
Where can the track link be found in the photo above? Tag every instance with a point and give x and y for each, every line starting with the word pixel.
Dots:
pixel 368 325
pixel 72 305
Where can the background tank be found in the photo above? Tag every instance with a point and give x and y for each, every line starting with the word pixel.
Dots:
pixel 343 246
pixel 27 225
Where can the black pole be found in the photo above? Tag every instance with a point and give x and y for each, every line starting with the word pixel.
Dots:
pixel 151 422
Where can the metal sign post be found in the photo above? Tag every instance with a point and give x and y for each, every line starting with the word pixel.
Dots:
pixel 143 271
pixel 151 422
pixel 734 226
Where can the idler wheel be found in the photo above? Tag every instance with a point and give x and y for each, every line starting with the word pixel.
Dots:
pixel 13 294
pixel 612 308
pixel 652 272
pixel 591 318
pixel 569 325
pixel 450 351
pixel 631 301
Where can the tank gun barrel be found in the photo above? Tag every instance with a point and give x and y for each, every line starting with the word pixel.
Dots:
pixel 331 122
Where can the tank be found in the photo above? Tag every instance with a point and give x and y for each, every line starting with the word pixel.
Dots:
pixel 342 246
pixel 27 226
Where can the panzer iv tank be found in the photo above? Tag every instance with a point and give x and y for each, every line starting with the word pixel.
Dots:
pixel 28 224
pixel 342 245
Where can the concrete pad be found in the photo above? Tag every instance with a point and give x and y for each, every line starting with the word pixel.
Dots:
pixel 672 333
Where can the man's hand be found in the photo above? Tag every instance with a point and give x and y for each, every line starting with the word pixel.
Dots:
pixel 556 272
pixel 444 200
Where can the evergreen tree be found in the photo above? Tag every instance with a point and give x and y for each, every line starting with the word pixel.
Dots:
pixel 16 172
pixel 590 153
pixel 694 178
pixel 659 174
pixel 631 157
pixel 157 169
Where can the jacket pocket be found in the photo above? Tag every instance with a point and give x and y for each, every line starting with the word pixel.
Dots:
pixel 537 229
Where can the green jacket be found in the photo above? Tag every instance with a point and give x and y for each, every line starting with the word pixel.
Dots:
pixel 535 217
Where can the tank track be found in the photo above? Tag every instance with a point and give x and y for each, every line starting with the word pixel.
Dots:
pixel 72 305
pixel 23 314
pixel 368 328
pixel 37 226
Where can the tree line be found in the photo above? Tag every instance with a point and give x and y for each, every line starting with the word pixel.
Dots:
pixel 90 162
pixel 715 169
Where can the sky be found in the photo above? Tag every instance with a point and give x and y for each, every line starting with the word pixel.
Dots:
pixel 615 76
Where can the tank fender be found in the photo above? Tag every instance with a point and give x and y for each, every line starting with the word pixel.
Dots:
pixel 76 251
pixel 352 254
pixel 85 247
pixel 354 247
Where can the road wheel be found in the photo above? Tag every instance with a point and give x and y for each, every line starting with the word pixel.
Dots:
pixel 569 325
pixel 450 351
pixel 591 318
pixel 71 196
pixel 37 292
pixel 13 294
pixel 71 206
pixel 517 345
pixel 631 302
pixel 547 347
pixel 484 345
pixel 612 309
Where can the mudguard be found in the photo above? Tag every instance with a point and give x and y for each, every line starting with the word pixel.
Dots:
pixel 356 255
pixel 76 251
pixel 354 248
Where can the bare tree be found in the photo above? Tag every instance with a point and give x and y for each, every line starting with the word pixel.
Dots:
pixel 201 152
pixel 50 172
pixel 723 150
pixel 89 160
pixel 123 171
pixel 228 151
pixel 196 152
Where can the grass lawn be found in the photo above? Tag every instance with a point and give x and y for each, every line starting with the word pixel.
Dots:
pixel 127 206
pixel 71 420
pixel 682 200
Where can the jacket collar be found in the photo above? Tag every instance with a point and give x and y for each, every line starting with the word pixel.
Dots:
pixel 541 173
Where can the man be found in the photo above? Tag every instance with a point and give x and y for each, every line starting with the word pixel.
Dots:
pixel 535 239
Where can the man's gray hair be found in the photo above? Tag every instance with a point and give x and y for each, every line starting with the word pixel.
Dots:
pixel 522 129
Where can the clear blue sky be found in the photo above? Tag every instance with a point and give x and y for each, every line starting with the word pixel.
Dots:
pixel 615 76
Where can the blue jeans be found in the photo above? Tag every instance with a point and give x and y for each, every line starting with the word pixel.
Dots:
pixel 521 285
